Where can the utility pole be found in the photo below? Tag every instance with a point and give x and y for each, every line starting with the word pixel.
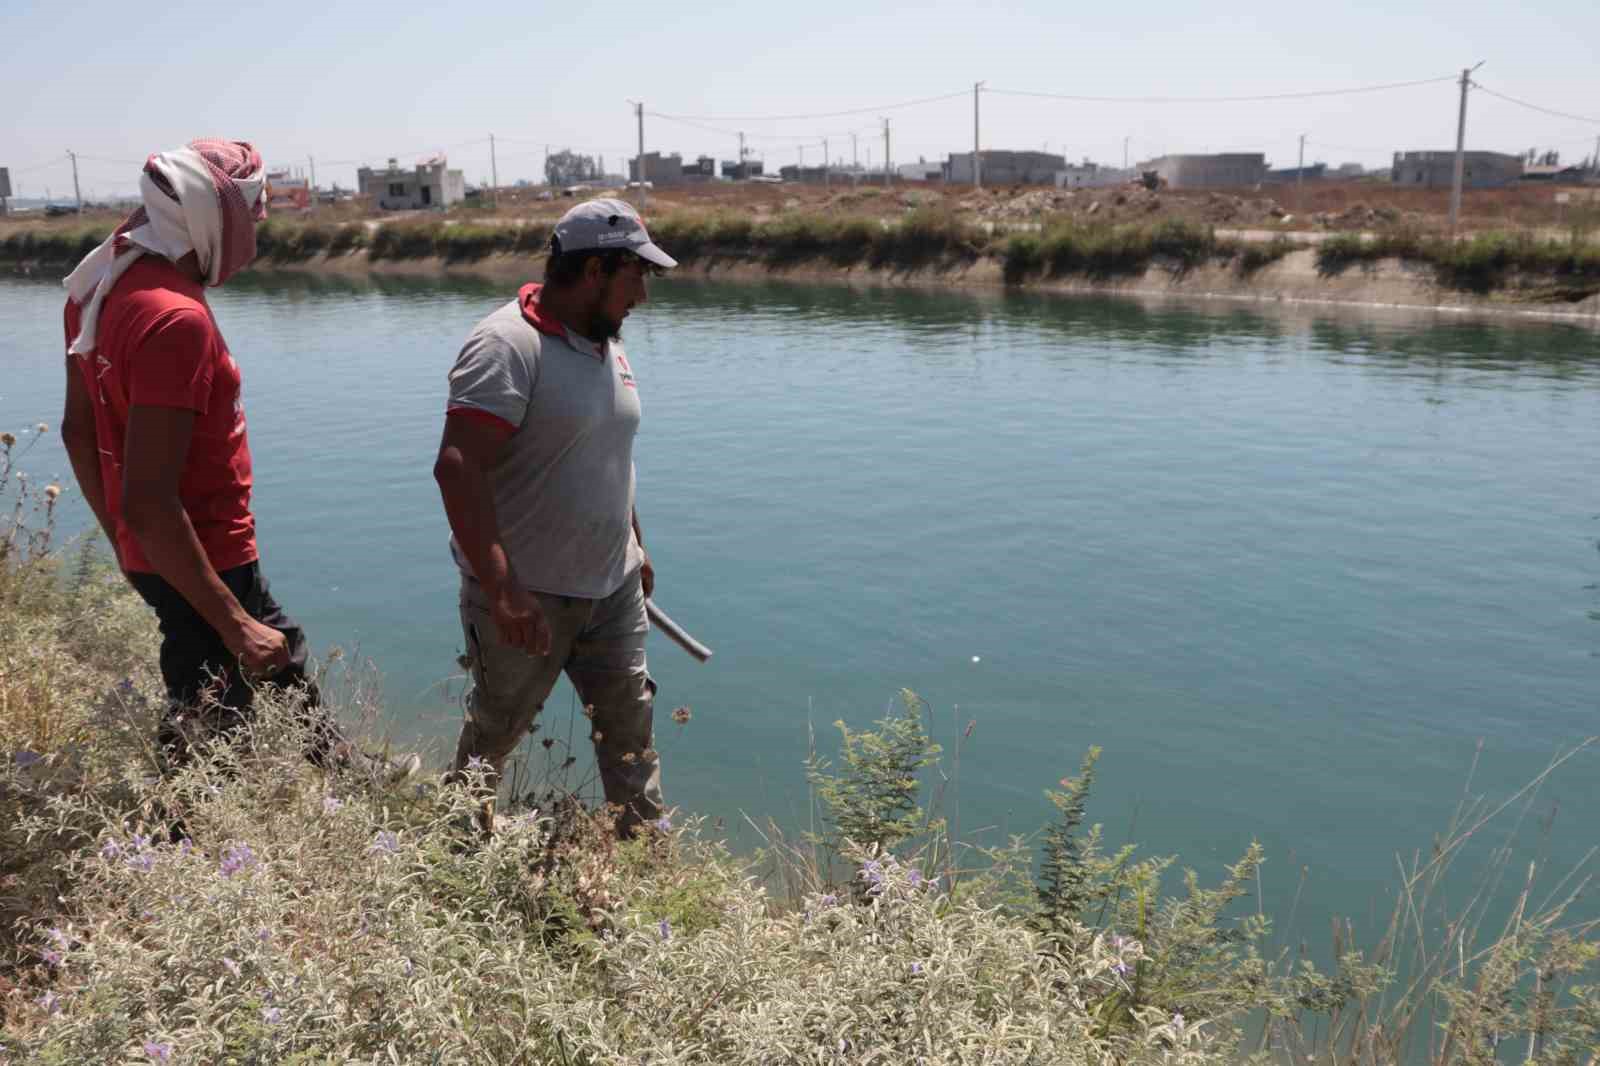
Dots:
pixel 740 174
pixel 1125 141
pixel 977 156
pixel 1461 152
pixel 855 160
pixel 644 193
pixel 1596 167
pixel 886 167
pixel 1300 177
pixel 76 195
pixel 825 181
pixel 494 174
pixel 313 161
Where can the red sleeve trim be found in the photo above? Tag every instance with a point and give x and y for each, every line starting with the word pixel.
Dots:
pixel 478 414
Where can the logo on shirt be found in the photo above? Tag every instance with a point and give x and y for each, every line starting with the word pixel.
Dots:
pixel 626 371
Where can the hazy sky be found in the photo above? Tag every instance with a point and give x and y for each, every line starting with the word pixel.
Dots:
pixel 349 82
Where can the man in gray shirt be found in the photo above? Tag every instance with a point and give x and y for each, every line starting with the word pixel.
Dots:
pixel 536 472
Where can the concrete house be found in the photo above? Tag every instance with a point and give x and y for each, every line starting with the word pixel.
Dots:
pixel 1005 168
pixel 1087 175
pixel 1556 174
pixel 1436 170
pixel 659 170
pixel 430 184
pixel 1230 170
pixel 739 171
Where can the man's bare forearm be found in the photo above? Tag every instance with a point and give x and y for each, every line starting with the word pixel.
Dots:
pixel 166 536
pixel 84 454
pixel 469 507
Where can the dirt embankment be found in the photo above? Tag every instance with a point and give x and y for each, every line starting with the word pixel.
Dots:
pixel 1296 278
pixel 1264 245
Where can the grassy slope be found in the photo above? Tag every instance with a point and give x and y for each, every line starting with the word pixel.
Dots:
pixel 925 239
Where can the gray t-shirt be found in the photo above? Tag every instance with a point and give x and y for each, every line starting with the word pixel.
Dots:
pixel 563 492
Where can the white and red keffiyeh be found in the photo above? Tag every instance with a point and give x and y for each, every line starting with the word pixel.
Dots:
pixel 204 198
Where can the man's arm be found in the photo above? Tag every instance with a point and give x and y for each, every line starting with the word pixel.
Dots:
pixel 470 448
pixel 83 448
pixel 647 572
pixel 157 446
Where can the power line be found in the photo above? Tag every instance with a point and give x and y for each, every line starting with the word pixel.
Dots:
pixel 57 161
pixel 817 115
pixel 119 162
pixel 793 137
pixel 1535 107
pixel 399 155
pixel 1224 99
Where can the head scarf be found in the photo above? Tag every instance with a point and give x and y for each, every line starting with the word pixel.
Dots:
pixel 204 198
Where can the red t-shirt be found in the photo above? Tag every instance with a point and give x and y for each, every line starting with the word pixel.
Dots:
pixel 158 346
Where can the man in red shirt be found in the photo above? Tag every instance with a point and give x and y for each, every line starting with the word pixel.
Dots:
pixel 155 431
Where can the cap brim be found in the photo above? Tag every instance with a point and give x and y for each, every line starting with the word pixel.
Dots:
pixel 651 253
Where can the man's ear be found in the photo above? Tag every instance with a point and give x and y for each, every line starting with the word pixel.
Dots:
pixel 593 273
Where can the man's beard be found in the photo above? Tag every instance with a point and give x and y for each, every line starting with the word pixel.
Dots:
pixel 601 327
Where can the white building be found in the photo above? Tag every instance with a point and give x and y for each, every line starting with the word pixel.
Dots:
pixel 431 184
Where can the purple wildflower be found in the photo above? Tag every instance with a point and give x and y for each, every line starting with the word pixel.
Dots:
pixel 271 1015
pixel 663 824
pixel 264 935
pixel 50 1002
pixel 914 877
pixel 51 956
pixel 58 938
pixel 1121 968
pixel 26 759
pixel 872 873
pixel 158 1052
pixel 1177 1022
pixel 139 841
pixel 665 929
pixel 386 842
pixel 829 900
pixel 231 966
pixel 142 861
pixel 331 805
pixel 110 850
pixel 235 858
pixel 916 967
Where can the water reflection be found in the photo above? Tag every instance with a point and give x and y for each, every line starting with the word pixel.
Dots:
pixel 1057 325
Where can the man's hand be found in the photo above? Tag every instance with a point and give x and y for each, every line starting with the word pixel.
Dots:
pixel 519 619
pixel 262 650
pixel 647 575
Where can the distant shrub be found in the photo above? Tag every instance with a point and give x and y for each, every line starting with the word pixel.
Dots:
pixel 1251 257
pixel 927 237
pixel 405 240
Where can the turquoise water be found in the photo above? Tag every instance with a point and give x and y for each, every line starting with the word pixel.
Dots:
pixel 1288 569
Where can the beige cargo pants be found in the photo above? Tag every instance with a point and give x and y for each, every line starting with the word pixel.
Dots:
pixel 600 646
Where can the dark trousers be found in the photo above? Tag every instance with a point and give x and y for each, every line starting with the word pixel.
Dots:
pixel 206 691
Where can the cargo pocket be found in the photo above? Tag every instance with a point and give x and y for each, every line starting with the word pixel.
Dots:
pixel 480 668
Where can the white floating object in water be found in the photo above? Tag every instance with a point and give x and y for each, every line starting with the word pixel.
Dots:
pixel 976 659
